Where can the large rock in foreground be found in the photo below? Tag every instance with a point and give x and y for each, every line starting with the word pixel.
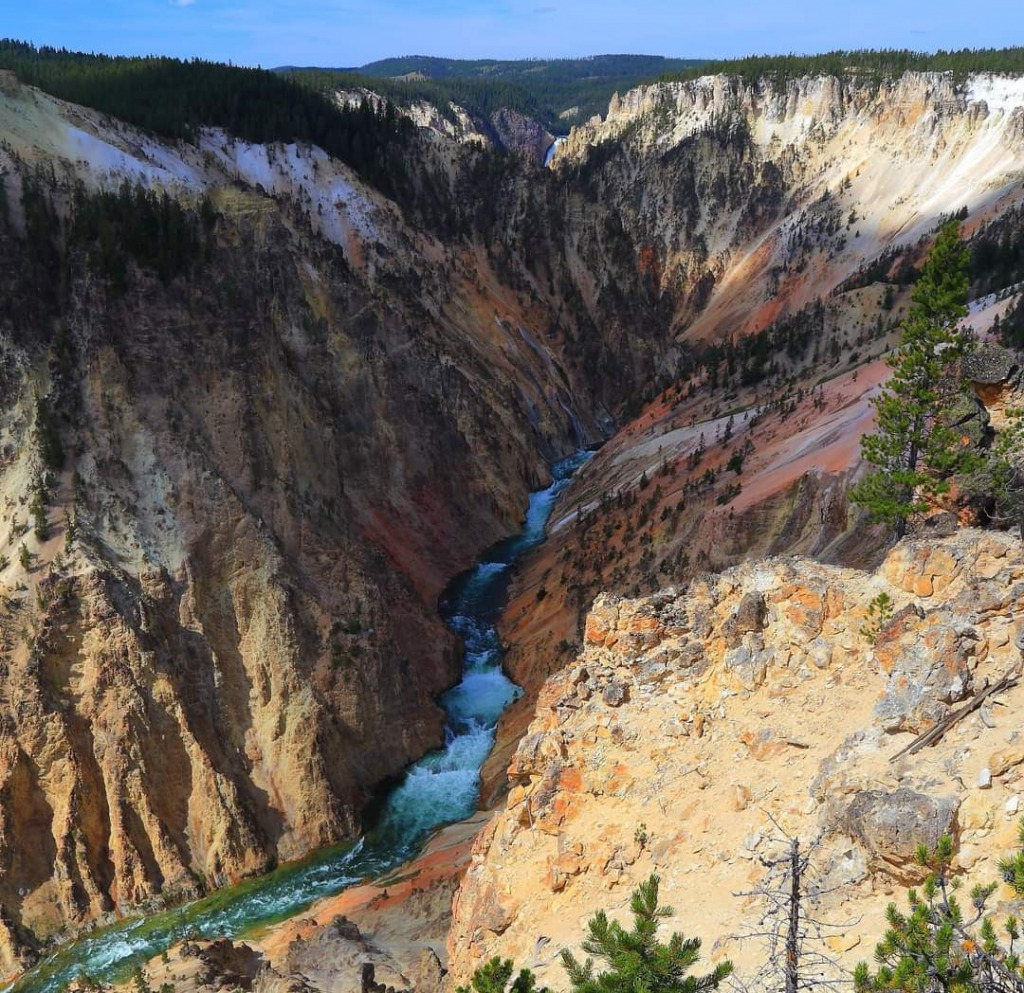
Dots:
pixel 891 825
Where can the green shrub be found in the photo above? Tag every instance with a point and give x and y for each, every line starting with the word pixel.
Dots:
pixel 636 960
pixel 880 612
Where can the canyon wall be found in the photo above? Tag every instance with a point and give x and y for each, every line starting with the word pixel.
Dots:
pixel 772 226
pixel 757 199
pixel 219 618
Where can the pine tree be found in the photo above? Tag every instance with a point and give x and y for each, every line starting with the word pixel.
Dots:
pixel 1011 868
pixel 942 946
pixel 493 977
pixel 916 447
pixel 637 960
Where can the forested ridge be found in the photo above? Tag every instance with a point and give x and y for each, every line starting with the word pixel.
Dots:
pixel 111 233
pixel 871 66
pixel 544 89
pixel 174 99
pixel 540 88
pixel 479 96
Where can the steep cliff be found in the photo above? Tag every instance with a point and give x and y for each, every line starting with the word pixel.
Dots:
pixel 756 200
pixel 219 621
pixel 774 229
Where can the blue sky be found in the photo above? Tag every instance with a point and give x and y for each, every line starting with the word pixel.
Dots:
pixel 352 32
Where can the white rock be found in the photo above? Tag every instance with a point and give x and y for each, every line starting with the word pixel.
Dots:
pixel 985 779
pixel 1012 806
pixel 752 841
pixel 968 856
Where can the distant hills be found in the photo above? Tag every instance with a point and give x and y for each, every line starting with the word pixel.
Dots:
pixel 559 93
pixel 556 92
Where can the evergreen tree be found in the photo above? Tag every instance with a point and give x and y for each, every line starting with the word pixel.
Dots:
pixel 1011 329
pixel 493 977
pixel 941 946
pixel 916 447
pixel 47 436
pixel 637 961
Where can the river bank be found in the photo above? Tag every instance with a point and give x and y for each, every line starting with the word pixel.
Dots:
pixel 397 923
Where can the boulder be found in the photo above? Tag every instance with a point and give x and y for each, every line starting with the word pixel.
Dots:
pixel 602 622
pixel 971 419
pixel 929 670
pixel 1002 761
pixel 428 976
pixel 615 694
pixel 748 617
pixel 889 826
pixel 234 965
pixel 989 364
pixel 749 665
pixel 271 981
pixel 923 567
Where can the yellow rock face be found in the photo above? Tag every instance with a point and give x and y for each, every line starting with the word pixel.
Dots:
pixel 699 762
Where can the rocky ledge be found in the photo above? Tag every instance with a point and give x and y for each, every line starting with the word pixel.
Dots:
pixel 699 724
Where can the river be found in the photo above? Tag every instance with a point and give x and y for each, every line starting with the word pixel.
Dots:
pixel 440 788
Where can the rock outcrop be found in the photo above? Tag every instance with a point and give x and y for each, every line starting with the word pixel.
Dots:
pixel 997 377
pixel 504 128
pixel 698 721
pixel 521 134
pixel 890 825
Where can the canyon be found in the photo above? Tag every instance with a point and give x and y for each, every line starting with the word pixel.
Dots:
pixel 222 639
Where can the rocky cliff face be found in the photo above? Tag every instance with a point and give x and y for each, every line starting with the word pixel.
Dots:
pixel 695 720
pixel 755 200
pixel 758 218
pixel 504 128
pixel 522 134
